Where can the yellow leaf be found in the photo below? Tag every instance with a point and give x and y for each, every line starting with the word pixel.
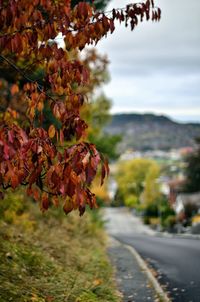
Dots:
pixel 32 112
pixel 52 131
pixel 40 106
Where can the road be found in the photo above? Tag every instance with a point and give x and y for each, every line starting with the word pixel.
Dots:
pixel 175 260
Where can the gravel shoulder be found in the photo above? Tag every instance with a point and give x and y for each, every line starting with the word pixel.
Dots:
pixel 131 279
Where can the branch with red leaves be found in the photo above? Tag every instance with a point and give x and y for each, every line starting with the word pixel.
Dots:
pixel 29 153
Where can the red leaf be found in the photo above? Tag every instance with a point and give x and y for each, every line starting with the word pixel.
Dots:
pixel 6 151
pixel 82 10
pixel 112 26
pixel 55 179
pixel 62 189
pixel 32 178
pixel 55 201
pixel 45 201
pixel 29 191
pixel 10 136
pixel 90 174
pixel 36 194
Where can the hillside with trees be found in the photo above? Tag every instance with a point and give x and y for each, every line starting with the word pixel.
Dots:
pixel 150 132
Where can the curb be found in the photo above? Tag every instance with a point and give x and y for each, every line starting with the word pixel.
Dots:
pixel 157 287
pixel 182 236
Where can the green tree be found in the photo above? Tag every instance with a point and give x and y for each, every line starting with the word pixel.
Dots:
pixel 151 192
pixel 99 4
pixel 192 170
pixel 97 115
pixel 134 180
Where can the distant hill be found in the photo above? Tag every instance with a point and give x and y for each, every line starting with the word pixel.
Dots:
pixel 150 132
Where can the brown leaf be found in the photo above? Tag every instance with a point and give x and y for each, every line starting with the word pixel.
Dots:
pixel 81 210
pixel 159 13
pixel 68 206
pixel 103 174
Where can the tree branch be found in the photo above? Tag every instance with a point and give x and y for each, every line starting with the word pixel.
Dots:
pixel 20 72
pixel 40 87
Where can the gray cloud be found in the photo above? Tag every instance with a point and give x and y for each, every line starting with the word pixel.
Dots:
pixel 157 66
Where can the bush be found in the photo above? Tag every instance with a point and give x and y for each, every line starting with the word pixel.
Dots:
pixel 169 222
pixel 61 259
pixel 146 220
pixel 152 210
pixel 14 209
pixel 118 200
pixel 131 201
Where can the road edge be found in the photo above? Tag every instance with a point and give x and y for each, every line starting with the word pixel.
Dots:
pixel 152 279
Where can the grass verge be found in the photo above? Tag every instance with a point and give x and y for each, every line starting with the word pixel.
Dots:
pixel 52 257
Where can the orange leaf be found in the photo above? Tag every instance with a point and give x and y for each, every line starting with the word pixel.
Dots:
pixel 14 89
pixel 61 136
pixel 97 282
pixel 40 106
pixel 14 181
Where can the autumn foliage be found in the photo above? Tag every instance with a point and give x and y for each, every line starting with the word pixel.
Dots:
pixel 56 163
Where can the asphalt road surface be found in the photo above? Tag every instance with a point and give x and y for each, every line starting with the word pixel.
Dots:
pixel 175 260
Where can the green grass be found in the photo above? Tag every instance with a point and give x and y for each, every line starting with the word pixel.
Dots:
pixel 52 257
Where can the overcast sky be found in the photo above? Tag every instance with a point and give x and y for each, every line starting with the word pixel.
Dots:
pixel 156 68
